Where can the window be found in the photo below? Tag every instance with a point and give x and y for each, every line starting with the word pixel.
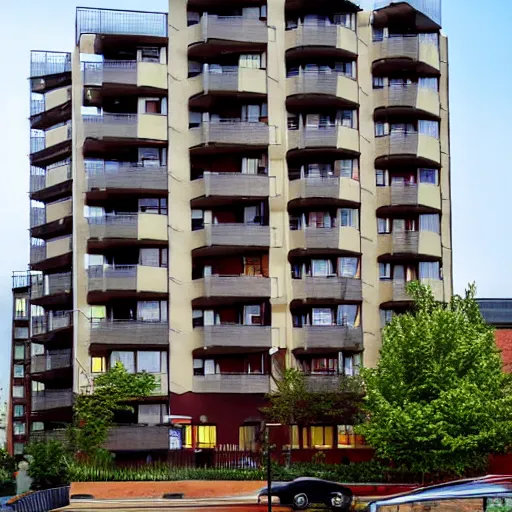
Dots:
pixel 20 308
pixel 18 391
pixel 347 118
pixel 378 82
pixel 348 315
pixel 19 411
pixel 253 266
pixel 37 426
pixel 294 437
pixel 98 313
pixel 19 428
pixel 347 68
pixel 383 226
pixel 430 270
pixel 19 448
pixel 321 268
pixel 247 437
pixel 293 122
pixel 381 178
pixel 351 364
pixel 384 270
pixel 347 169
pixel 345 20
pixel 378 34
pixel 429 222
pixel 127 359
pixel 347 437
pixel 429 176
pixel 155 106
pixel 252 60
pixel 429 83
pixel 252 315
pixel 197 220
pixel 348 267
pixel 156 206
pixel 37 386
pixel 152 414
pixel 252 113
pixel 153 257
pixel 430 128
pixel 381 129
pixel 324 365
pixel 386 315
pixel 349 217
pixel 149 362
pixel 200 436
pixel 21 333
pixel 250 165
pixel 98 364
pixel 150 55
pixel 19 352
pixel 152 311
pixel 322 316
pixel 321 437
pixel 19 371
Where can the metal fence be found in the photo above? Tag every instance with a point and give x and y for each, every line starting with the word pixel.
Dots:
pixel 42 501
pixel 431 8
pixel 49 63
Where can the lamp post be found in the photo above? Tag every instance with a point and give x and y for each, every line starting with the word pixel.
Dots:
pixel 269 464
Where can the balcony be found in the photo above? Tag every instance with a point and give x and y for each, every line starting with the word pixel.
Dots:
pixel 423 197
pixel 53 254
pixel 404 98
pixel 51 327
pixel 217 187
pixel 118 25
pixel 49 70
pixel 228 132
pixel 427 13
pixel 315 41
pixel 394 292
pixel 53 220
pixel 215 34
pixel 344 238
pixel 247 82
pixel 49 363
pixel 415 243
pixel 147 127
pixel 138 438
pixel 50 184
pixel 414 53
pixel 232 286
pixel 231 383
pixel 321 89
pixel 407 148
pixel 119 74
pixel 52 145
pixel 51 290
pixel 49 109
pixel 105 178
pixel 226 235
pixel 129 333
pixel 328 137
pixel 306 190
pixel 327 382
pixel 236 336
pixel 51 399
pixel 330 288
pixel 320 337
pixel 126 281
pixel 126 229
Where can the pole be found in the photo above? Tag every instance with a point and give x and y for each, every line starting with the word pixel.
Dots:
pixel 269 471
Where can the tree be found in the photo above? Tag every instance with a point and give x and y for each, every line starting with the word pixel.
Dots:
pixel 94 413
pixel 48 465
pixel 296 402
pixel 438 400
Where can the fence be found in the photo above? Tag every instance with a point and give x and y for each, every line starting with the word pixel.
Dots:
pixel 42 501
pixel 431 8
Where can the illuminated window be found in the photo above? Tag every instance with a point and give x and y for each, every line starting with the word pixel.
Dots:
pixel 21 308
pixel 294 437
pixel 200 436
pixel 321 437
pixel 347 437
pixel 98 364
pixel 247 435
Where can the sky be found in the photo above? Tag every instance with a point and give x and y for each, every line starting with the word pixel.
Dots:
pixel 480 107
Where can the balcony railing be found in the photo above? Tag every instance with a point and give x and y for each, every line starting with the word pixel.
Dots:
pixel 56 360
pixel 138 438
pixel 339 288
pixel 230 131
pixel 329 136
pixel 21 279
pixel 110 71
pixel 120 277
pixel 235 286
pixel 235 184
pixel 52 399
pixel 47 324
pixel 231 383
pixel 430 8
pixel 132 23
pixel 416 48
pixel 126 332
pixel 331 36
pixel 125 175
pixel 43 178
pixel 40 250
pixel 111 125
pixel 328 337
pixel 234 28
pixel 237 234
pixel 235 335
pixel 330 187
pixel 412 145
pixel 49 63
pixel 55 284
pixel 114 226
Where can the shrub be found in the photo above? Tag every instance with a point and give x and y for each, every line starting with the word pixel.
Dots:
pixel 48 464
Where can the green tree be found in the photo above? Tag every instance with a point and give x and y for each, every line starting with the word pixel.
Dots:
pixel 438 400
pixel 94 413
pixel 48 465
pixel 296 401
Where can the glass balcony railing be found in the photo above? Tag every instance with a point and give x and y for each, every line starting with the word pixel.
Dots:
pixel 49 63
pixel 430 8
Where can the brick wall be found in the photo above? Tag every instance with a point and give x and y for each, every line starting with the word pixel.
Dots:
pixel 504 342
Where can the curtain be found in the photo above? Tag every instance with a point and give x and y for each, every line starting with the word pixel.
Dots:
pixel 250 166
pixel 384 271
pixel 148 362
pixel 430 222
pixel 247 437
pixel 348 267
pixel 152 311
pixel 430 270
pixel 322 316
pixel 429 83
pixel 383 226
pixel 347 315
pixel 127 359
pixel 430 128
pixel 429 176
pixel 381 129
pixel 251 60
pixel 205 436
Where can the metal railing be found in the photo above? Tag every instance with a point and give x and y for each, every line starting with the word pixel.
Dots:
pixel 20 279
pixel 125 175
pixel 106 21
pixel 51 399
pixel 37 104
pixel 430 8
pixel 37 141
pixel 55 360
pixel 49 63
pixel 237 335
pixel 335 336
pixel 114 226
pixel 38 177
pixel 236 184
pixel 231 383
pixel 237 234
pixel 47 324
pixel 37 250
pixel 234 28
pixel 120 277
pixel 111 125
pixel 110 71
pixel 55 284
pixel 236 286
pixel 341 288
pixel 129 332
pixel 231 131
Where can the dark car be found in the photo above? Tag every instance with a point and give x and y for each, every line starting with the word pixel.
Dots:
pixel 303 492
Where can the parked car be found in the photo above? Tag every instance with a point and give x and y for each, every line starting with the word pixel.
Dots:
pixel 303 492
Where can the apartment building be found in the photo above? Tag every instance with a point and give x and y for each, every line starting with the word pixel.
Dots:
pixel 228 190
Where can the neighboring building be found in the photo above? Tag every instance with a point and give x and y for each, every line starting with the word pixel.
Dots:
pixel 498 313
pixel 244 186
pixel 3 425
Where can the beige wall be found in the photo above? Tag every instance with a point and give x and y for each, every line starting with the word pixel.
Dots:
pixel 152 127
pixel 59 210
pixel 152 74
pixel 152 227
pixel 58 247
pixel 57 175
pixel 151 279
pixel 57 97
pixel 252 80
pixel 56 135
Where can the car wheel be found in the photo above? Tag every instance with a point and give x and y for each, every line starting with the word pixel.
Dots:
pixel 339 501
pixel 300 501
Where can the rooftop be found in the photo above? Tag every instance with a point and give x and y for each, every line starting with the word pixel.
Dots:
pixel 496 311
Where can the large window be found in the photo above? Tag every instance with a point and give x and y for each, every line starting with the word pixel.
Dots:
pixel 430 222
pixel 153 257
pixel 20 308
pixel 430 270
pixel 152 311
pixel 349 217
pixel 141 361
pixel 320 437
pixel 200 436
pixel 247 437
pixel 18 391
pixel 19 428
pixel 19 352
